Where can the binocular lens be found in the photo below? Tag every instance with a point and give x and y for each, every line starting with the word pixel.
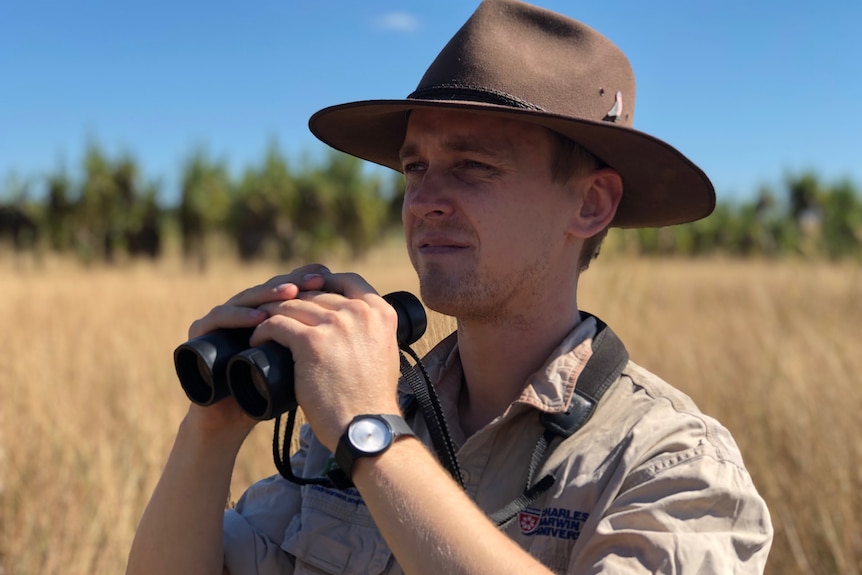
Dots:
pixel 250 389
pixel 194 372
pixel 261 380
pixel 260 384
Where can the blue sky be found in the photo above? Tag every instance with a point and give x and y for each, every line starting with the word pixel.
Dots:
pixel 748 90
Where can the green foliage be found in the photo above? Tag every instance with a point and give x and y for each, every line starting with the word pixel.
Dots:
pixel 205 203
pixel 263 209
pixel 815 220
pixel 205 191
pixel 58 211
pixel 96 217
pixel 280 211
pixel 359 209
pixel 841 211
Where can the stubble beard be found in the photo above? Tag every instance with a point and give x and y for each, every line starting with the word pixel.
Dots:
pixel 478 296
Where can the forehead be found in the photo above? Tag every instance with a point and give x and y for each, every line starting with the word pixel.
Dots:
pixel 459 130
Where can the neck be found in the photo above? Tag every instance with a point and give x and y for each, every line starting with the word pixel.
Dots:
pixel 497 359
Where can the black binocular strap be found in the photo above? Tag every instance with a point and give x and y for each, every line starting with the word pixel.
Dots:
pixel 433 414
pixel 431 411
pixel 601 371
pixel 281 457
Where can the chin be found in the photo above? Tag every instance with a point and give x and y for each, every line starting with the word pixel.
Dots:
pixel 454 299
pixel 436 299
pixel 441 296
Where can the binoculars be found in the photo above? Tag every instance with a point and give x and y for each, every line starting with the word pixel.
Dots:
pixel 221 363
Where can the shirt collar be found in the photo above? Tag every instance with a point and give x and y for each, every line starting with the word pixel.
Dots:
pixel 548 389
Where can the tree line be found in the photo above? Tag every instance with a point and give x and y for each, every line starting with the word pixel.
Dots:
pixel 805 217
pixel 278 210
pixel 271 210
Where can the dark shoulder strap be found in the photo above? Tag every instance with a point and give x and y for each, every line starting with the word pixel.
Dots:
pixel 604 367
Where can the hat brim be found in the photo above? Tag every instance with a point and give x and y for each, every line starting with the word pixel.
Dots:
pixel 661 187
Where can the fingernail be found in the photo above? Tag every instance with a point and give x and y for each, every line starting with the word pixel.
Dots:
pixel 309 277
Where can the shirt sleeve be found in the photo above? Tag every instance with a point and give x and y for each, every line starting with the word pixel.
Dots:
pixel 254 529
pixel 683 512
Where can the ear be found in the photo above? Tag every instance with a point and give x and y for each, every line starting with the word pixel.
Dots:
pixel 600 193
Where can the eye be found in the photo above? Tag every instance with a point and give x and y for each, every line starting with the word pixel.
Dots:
pixel 413 167
pixel 473 164
pixel 478 169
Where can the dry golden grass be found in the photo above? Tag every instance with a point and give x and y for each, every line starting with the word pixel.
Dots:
pixel 90 402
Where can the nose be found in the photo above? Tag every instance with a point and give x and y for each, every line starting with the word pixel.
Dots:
pixel 427 197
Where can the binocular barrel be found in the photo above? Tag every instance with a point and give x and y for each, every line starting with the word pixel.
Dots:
pixel 221 363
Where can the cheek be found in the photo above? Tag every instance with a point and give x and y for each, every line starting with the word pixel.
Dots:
pixel 524 218
pixel 530 227
pixel 506 232
pixel 406 215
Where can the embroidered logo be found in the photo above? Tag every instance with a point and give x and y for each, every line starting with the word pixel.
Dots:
pixel 554 522
pixel 528 519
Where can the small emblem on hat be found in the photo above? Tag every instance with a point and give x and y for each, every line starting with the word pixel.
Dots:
pixel 616 112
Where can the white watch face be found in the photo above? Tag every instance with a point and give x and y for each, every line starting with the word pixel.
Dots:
pixel 369 435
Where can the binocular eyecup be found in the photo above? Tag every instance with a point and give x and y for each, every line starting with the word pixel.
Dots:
pixel 221 363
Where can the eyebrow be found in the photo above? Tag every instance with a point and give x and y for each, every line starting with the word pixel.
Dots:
pixel 459 144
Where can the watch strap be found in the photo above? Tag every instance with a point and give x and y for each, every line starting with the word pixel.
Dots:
pixel 397 424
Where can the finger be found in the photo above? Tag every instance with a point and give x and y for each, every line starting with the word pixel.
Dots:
pixel 227 317
pixel 310 280
pixel 330 294
pixel 280 329
pixel 310 308
pixel 281 287
pixel 310 304
pixel 315 309
pixel 349 285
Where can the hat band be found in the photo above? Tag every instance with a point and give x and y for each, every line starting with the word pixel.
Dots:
pixel 471 94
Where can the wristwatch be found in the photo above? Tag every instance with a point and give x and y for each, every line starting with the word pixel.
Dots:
pixel 367 436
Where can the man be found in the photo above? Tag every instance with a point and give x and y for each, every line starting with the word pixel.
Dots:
pixel 518 153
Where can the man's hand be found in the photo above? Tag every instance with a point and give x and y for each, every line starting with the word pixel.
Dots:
pixel 246 309
pixel 343 340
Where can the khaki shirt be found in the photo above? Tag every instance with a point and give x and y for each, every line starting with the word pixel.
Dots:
pixel 648 485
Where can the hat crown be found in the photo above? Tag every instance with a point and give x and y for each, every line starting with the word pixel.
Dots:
pixel 515 54
pixel 517 61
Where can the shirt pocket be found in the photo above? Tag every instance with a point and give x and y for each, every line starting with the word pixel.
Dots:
pixel 335 534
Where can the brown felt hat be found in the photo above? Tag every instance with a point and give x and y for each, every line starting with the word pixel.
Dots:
pixel 518 61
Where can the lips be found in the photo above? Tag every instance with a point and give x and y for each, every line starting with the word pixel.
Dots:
pixel 438 244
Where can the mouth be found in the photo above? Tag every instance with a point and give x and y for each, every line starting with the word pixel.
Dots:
pixel 439 246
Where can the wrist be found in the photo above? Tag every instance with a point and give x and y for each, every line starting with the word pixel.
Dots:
pixel 198 427
pixel 369 436
pixel 333 424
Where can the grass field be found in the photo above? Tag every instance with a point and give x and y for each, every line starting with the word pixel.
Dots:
pixel 90 402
